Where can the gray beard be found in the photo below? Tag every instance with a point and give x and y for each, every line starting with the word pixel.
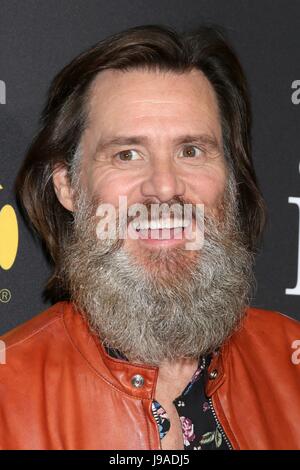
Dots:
pixel 177 307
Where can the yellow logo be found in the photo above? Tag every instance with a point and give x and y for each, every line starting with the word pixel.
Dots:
pixel 9 236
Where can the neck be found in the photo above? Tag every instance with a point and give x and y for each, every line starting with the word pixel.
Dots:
pixel 173 377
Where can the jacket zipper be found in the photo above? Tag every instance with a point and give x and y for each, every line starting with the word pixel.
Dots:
pixel 219 424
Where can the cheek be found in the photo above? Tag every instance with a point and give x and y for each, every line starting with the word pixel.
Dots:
pixel 108 186
pixel 215 194
pixel 208 189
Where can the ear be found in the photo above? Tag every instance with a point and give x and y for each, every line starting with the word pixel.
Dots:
pixel 62 187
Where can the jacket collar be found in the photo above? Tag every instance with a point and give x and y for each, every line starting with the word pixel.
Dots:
pixel 118 373
pixel 121 374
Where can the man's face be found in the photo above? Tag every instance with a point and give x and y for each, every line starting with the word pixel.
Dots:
pixel 153 136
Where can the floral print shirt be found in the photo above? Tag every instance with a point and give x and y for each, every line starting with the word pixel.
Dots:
pixel 200 429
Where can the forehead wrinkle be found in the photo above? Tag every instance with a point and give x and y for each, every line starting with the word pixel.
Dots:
pixel 102 106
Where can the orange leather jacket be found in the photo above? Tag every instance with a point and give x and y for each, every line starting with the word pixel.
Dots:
pixel 60 390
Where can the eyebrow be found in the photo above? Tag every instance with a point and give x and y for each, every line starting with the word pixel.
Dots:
pixel 204 139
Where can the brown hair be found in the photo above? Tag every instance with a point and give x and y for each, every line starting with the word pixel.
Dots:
pixel 63 121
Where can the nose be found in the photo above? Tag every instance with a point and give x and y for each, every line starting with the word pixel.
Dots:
pixel 163 181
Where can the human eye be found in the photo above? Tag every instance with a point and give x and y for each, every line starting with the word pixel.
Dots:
pixel 127 155
pixel 191 152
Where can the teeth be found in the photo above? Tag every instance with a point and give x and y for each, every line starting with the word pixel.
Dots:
pixel 160 224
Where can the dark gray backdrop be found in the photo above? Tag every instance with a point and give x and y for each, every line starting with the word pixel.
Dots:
pixel 37 38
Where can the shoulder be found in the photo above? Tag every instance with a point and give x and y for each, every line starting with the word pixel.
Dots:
pixel 262 321
pixel 266 334
pixel 32 327
pixel 22 345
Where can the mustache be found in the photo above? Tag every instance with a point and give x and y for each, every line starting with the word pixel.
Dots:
pixel 175 209
pixel 150 210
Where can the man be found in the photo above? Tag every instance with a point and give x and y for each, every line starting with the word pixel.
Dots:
pixel 151 342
